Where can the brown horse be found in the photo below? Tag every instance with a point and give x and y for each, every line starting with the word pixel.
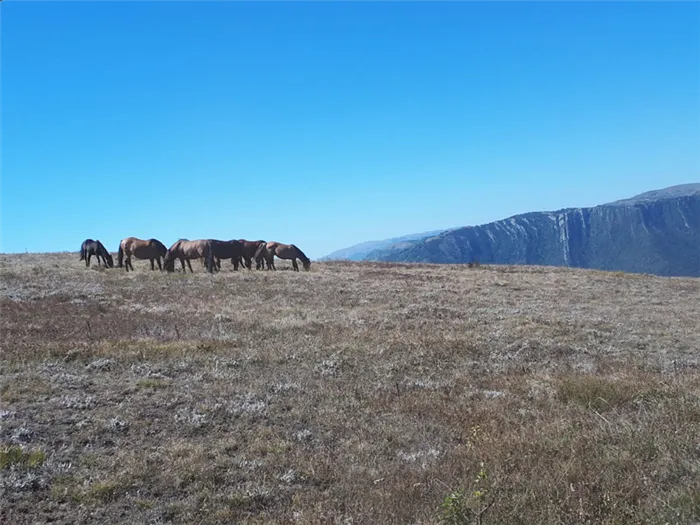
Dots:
pixel 151 249
pixel 249 250
pixel 186 250
pixel 283 251
pixel 91 247
pixel 227 250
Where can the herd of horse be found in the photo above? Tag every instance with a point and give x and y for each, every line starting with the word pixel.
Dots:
pixel 241 252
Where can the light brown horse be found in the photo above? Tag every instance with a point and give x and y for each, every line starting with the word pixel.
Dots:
pixel 186 250
pixel 283 251
pixel 151 249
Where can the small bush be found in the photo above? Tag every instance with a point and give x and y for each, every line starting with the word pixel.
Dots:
pixel 462 507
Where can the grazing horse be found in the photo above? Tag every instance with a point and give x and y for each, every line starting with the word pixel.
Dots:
pixel 249 249
pixel 283 251
pixel 151 249
pixel 186 250
pixel 227 250
pixel 91 247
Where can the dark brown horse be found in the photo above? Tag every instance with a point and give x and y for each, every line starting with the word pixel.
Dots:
pixel 249 249
pixel 283 251
pixel 151 249
pixel 227 250
pixel 91 247
pixel 186 250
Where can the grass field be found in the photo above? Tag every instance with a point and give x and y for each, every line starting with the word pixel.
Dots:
pixel 356 393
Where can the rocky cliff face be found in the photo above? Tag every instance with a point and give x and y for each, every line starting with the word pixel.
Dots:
pixel 656 233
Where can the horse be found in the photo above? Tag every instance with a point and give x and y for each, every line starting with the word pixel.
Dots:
pixel 227 250
pixel 91 247
pixel 186 250
pixel 151 249
pixel 283 251
pixel 249 249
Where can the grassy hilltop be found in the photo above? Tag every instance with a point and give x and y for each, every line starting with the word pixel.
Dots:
pixel 353 393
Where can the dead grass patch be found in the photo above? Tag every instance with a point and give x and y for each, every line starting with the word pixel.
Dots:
pixel 363 393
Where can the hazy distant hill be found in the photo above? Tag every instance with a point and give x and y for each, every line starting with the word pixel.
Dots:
pixel 357 252
pixel 656 232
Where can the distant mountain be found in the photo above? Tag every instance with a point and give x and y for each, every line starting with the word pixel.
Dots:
pixel 680 190
pixel 657 232
pixel 358 252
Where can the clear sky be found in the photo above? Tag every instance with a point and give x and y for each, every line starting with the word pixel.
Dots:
pixel 328 124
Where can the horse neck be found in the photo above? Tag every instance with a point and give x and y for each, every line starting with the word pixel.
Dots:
pixel 159 247
pixel 301 255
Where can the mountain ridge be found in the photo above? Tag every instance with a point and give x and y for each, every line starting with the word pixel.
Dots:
pixel 655 232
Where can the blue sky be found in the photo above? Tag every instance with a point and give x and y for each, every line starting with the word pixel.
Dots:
pixel 328 124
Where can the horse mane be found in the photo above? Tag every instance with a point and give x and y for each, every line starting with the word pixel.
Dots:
pixel 158 243
pixel 302 255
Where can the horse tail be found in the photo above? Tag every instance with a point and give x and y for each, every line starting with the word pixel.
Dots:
pixel 259 250
pixel 120 256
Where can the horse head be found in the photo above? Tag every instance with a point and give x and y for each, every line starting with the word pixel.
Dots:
pixel 169 261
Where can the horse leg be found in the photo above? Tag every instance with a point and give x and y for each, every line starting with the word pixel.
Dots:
pixel 295 265
pixel 182 262
pixel 188 264
pixel 153 265
pixel 131 265
pixel 159 265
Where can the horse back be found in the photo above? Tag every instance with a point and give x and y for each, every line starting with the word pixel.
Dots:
pixel 191 249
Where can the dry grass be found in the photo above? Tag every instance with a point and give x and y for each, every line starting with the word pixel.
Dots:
pixel 354 393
